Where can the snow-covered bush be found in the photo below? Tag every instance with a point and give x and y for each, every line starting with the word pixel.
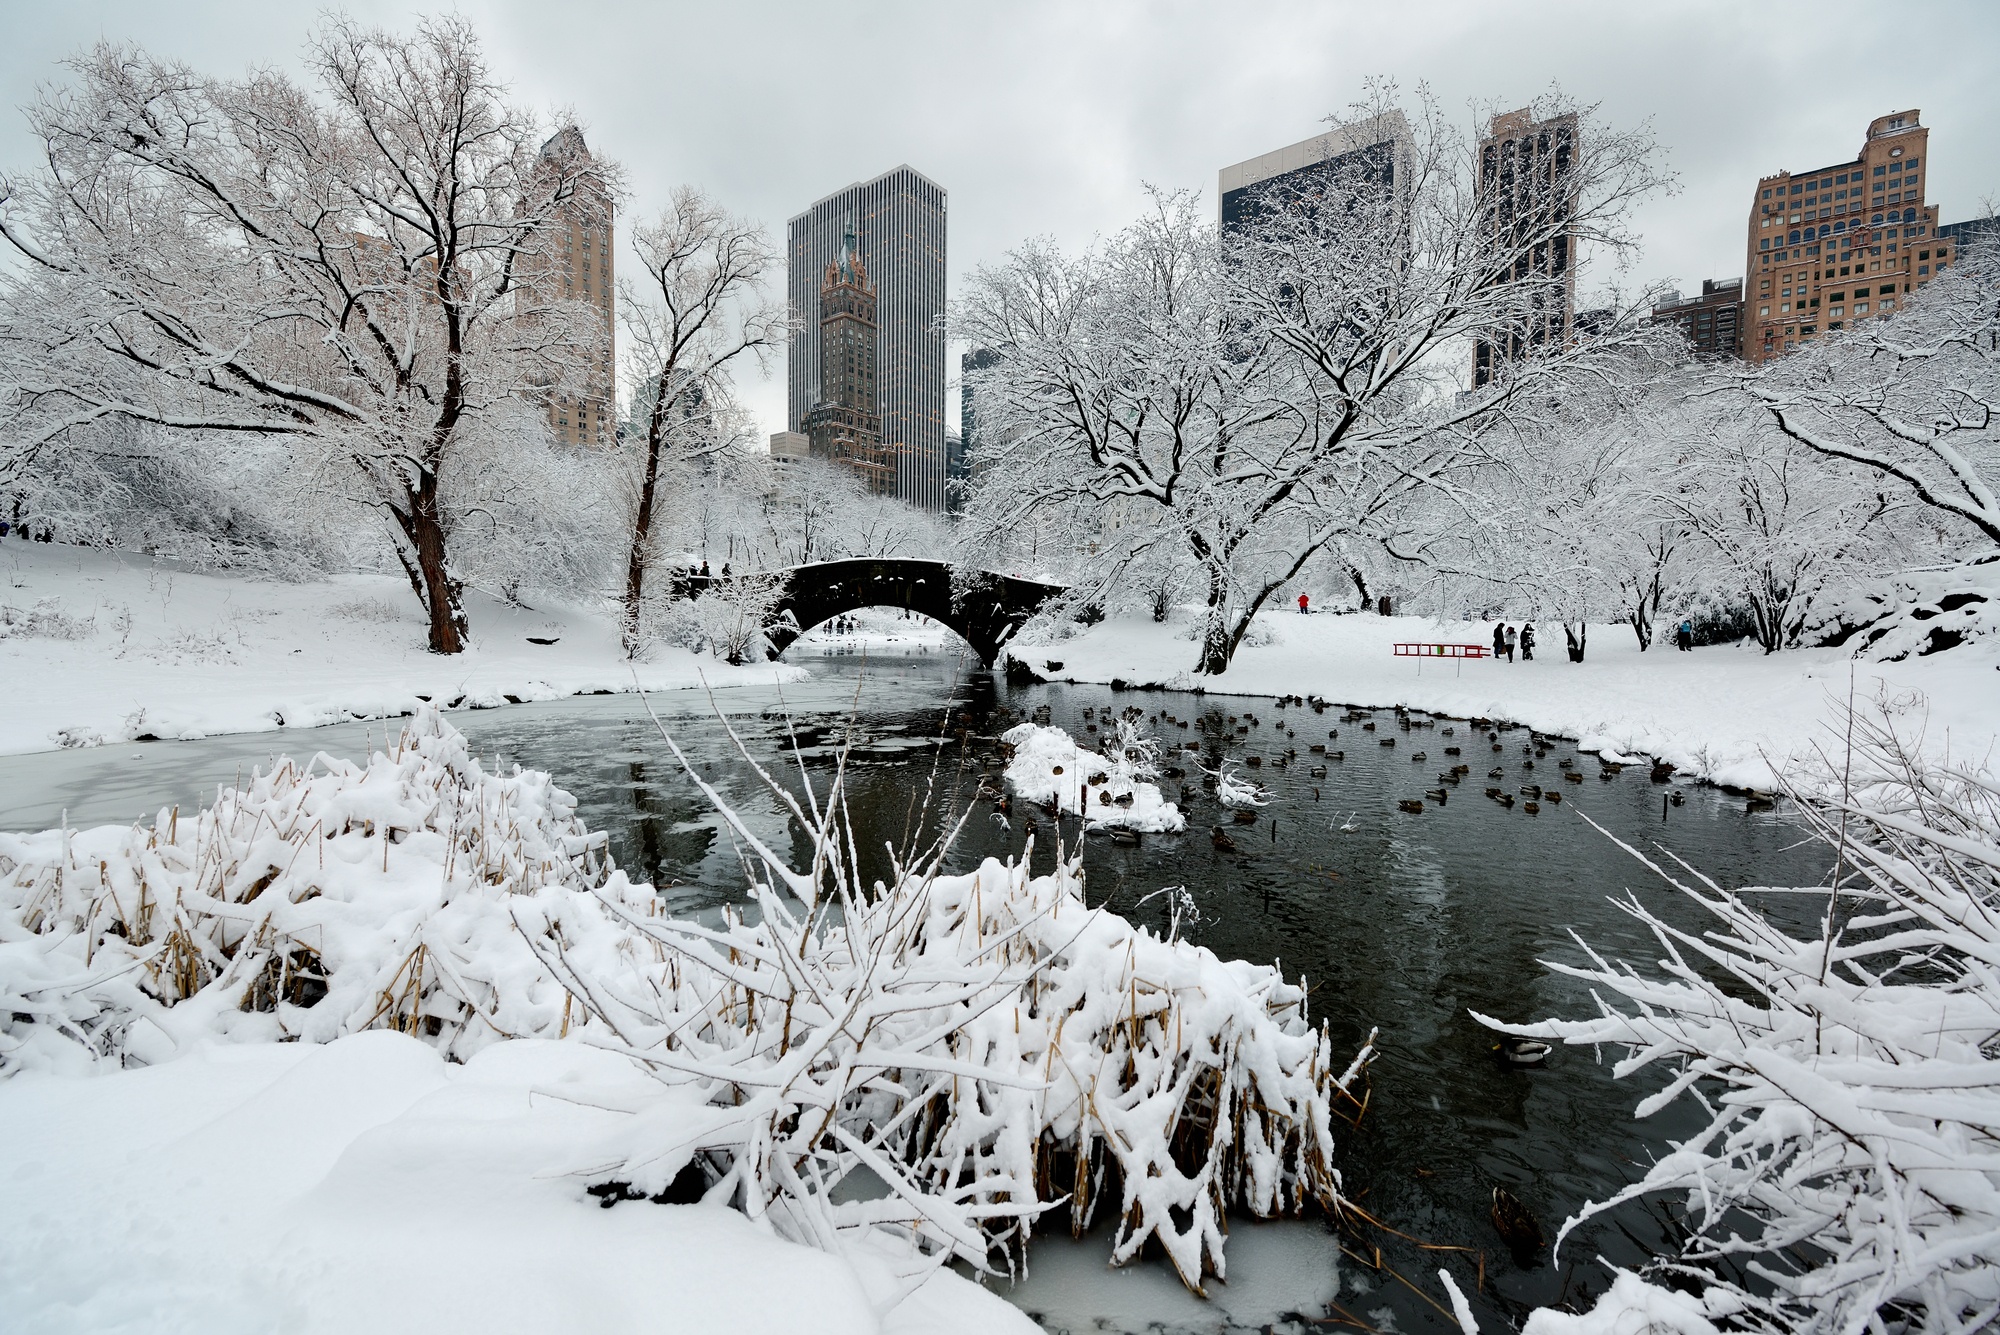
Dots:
pixel 313 901
pixel 983 1046
pixel 1917 612
pixel 728 620
pixel 45 620
pixel 1847 1177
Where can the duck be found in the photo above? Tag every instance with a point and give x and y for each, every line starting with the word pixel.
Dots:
pixel 1516 1051
pixel 1436 795
pixel 1516 1226
pixel 1532 808
pixel 1121 835
pixel 1531 790
pixel 1676 797
pixel 1411 805
pixel 1451 750
pixel 1497 772
pixel 1336 755
pixel 1552 798
pixel 1317 772
pixel 1221 840
pixel 1245 816
pixel 1572 776
pixel 1388 741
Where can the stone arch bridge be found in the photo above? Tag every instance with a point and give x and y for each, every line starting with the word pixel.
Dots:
pixel 985 609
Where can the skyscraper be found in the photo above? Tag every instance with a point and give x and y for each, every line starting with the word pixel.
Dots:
pixel 1841 243
pixel 1375 151
pixel 844 423
pixel 576 258
pixel 898 221
pixel 1526 187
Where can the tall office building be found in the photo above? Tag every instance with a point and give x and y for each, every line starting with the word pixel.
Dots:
pixel 844 423
pixel 1375 152
pixel 898 220
pixel 576 259
pixel 1526 183
pixel 1842 243
pixel 1713 321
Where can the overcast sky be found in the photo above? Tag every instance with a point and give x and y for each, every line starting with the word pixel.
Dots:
pixel 1048 118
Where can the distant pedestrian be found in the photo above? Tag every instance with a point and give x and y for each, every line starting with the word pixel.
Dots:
pixel 704 567
pixel 1684 636
pixel 1528 642
pixel 1303 609
pixel 1499 639
pixel 1510 644
pixel 725 570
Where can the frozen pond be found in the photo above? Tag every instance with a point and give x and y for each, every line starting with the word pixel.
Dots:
pixel 1399 921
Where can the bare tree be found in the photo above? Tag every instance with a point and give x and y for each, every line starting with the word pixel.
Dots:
pixel 699 308
pixel 356 271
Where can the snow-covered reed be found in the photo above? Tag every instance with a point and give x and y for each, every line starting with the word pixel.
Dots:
pixel 1848 1174
pixel 941 1058
pixel 1106 788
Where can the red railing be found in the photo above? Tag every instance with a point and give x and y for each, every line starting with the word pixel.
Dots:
pixel 1444 651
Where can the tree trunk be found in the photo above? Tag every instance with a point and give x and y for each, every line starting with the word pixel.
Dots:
pixel 1641 619
pixel 1576 634
pixel 642 532
pixel 1216 642
pixel 430 572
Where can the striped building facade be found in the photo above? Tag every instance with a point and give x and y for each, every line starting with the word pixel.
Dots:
pixel 899 225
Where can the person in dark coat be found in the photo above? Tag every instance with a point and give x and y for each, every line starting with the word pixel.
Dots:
pixel 704 568
pixel 1684 636
pixel 1528 642
pixel 1499 639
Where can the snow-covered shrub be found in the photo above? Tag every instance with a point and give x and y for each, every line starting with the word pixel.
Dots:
pixel 45 620
pixel 1848 1175
pixel 313 901
pixel 366 609
pixel 728 620
pixel 984 1044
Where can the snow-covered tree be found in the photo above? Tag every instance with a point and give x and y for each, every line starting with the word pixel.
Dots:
pixel 1265 395
pixel 355 270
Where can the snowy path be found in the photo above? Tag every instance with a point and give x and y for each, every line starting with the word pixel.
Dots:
pixel 206 654
pixel 1724 713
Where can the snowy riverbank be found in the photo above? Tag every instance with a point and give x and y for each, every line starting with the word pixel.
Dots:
pixel 1726 713
pixel 108 646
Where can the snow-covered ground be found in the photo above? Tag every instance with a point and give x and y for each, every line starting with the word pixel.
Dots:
pixel 107 646
pixel 366 1184
pixel 878 628
pixel 1729 713
pixel 1049 766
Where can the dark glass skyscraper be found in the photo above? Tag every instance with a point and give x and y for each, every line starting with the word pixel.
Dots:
pixel 899 226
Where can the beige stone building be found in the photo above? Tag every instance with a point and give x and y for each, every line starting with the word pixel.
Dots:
pixel 577 263
pixel 1842 243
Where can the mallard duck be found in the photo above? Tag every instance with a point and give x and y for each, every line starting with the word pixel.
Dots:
pixel 1552 798
pixel 1436 795
pixel 1676 797
pixel 1246 817
pixel 1388 741
pixel 1317 772
pixel 1221 840
pixel 1517 1228
pixel 1121 835
pixel 1451 750
pixel 1497 772
pixel 1572 776
pixel 1411 805
pixel 1419 758
pixel 1532 808
pixel 1522 1051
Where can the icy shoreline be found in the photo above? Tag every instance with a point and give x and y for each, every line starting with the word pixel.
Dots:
pixel 110 647
pixel 1729 715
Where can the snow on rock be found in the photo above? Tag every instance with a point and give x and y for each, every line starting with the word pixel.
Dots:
pixel 1049 766
pixel 1726 713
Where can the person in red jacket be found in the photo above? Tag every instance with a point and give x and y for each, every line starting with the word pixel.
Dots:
pixel 1303 611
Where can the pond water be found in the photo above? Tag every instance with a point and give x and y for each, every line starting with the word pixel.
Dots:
pixel 1400 922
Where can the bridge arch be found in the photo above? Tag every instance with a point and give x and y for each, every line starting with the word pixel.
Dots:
pixel 985 610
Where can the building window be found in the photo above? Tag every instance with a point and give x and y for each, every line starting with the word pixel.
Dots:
pixel 1763 310
pixel 1861 308
pixel 1837 310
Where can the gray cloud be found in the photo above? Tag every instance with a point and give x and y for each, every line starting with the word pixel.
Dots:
pixel 1047 118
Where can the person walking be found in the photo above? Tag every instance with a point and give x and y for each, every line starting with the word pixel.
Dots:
pixel 704 567
pixel 1528 642
pixel 1684 636
pixel 1510 644
pixel 1499 639
pixel 1303 609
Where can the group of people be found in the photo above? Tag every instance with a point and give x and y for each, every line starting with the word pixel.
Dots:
pixel 20 530
pixel 1505 638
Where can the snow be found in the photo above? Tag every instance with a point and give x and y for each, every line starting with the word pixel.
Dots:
pixel 1729 714
pixel 1634 1307
pixel 205 654
pixel 1049 766
pixel 367 1184
pixel 879 628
